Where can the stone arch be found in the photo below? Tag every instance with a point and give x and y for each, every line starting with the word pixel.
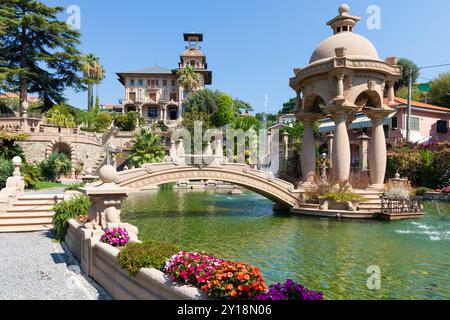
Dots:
pixel 368 99
pixel 313 103
pixel 279 191
pixel 61 146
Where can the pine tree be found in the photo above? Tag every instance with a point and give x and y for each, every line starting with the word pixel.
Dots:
pixel 38 52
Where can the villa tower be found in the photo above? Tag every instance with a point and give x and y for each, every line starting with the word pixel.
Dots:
pixel 155 92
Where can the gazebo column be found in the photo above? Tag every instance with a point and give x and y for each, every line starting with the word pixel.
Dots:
pixel 330 138
pixel 377 148
pixel 308 152
pixel 341 147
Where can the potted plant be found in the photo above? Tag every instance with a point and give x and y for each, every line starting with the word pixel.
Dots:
pixel 342 199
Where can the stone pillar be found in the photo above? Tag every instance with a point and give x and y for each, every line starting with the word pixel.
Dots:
pixel 308 152
pixel 377 148
pixel 330 137
pixel 298 102
pixel 363 151
pixel 341 147
pixel 107 200
pixel 286 150
pixel 340 87
pixel 391 93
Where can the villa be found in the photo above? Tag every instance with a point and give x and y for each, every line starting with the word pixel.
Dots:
pixel 155 93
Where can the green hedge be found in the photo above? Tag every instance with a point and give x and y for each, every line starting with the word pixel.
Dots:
pixel 66 210
pixel 149 254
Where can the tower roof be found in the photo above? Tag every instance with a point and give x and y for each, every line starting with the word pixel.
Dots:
pixel 356 46
pixel 193 36
pixel 343 22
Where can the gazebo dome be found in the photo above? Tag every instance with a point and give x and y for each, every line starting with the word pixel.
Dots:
pixel 357 47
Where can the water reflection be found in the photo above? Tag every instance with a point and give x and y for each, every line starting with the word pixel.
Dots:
pixel 324 254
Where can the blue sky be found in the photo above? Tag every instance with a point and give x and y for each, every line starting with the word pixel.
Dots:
pixel 252 46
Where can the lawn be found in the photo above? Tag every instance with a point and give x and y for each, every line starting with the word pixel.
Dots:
pixel 47 185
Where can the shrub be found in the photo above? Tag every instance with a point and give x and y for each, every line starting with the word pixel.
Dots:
pixel 233 280
pixel 66 210
pixel 116 237
pixel 54 166
pixel 191 268
pixel 150 254
pixel 128 121
pixel 422 190
pixel 74 186
pixel 6 171
pixel 289 291
pixel 425 165
pixel 342 197
pixel 31 175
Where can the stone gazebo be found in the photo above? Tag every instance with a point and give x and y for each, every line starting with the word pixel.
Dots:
pixel 345 76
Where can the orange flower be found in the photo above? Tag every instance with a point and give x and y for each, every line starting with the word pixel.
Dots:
pixel 233 294
pixel 255 269
pixel 241 288
pixel 247 277
pixel 216 282
pixel 229 287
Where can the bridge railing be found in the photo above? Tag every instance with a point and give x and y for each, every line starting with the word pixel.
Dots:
pixel 213 155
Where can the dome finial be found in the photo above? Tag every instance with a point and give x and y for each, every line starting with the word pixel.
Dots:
pixel 344 8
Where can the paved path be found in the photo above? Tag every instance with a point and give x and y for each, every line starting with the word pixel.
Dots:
pixel 33 266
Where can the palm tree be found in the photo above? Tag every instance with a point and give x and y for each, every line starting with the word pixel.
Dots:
pixel 8 146
pixel 60 116
pixel 146 148
pixel 188 78
pixel 93 73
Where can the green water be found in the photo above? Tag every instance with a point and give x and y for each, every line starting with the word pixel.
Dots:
pixel 323 254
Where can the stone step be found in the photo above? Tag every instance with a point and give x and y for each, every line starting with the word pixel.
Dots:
pixel 24 228
pixel 310 205
pixel 30 207
pixel 26 215
pixel 39 197
pixel 25 221
pixel 15 210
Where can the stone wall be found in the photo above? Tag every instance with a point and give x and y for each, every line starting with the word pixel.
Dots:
pixel 99 260
pixel 87 152
pixel 34 150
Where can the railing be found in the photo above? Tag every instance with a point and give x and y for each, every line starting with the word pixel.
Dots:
pixel 392 205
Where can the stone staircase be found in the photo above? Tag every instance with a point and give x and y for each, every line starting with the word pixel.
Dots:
pixel 98 164
pixel 30 212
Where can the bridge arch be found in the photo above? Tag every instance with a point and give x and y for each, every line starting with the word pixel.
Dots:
pixel 277 190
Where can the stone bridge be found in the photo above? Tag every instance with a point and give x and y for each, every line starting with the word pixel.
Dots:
pixel 209 166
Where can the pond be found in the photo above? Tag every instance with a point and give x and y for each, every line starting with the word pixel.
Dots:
pixel 323 254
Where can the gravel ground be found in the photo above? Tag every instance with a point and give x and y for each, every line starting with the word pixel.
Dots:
pixel 33 266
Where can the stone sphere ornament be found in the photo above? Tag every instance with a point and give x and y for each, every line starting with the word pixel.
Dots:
pixel 17 161
pixel 107 174
pixel 344 8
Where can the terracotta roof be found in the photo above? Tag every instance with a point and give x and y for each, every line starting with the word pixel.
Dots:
pixel 402 101
pixel 151 70
pixel 7 95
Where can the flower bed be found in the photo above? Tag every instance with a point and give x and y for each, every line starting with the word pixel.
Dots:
pixel 289 291
pixel 117 237
pixel 191 268
pixel 222 279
